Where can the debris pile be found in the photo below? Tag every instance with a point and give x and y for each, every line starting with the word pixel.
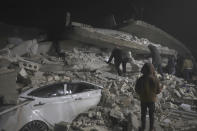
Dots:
pixel 106 38
pixel 119 108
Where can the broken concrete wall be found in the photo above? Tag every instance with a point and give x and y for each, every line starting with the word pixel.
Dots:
pixel 154 34
pixel 109 38
pixel 29 65
pixel 52 68
pixel 93 36
pixel 8 86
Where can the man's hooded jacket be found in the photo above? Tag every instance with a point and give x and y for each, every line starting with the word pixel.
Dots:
pixel 147 86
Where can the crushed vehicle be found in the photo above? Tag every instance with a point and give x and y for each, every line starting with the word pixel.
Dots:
pixel 45 106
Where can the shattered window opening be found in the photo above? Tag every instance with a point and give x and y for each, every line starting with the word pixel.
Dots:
pixel 61 89
pixel 80 87
pixel 49 91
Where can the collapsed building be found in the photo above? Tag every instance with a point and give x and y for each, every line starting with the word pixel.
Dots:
pixel 27 62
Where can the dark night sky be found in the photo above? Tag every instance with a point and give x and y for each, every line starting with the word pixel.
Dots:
pixel 176 17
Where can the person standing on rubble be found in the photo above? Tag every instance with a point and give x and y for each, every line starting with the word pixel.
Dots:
pixel 120 57
pixel 156 59
pixel 187 68
pixel 59 25
pixel 117 55
pixel 171 66
pixel 147 87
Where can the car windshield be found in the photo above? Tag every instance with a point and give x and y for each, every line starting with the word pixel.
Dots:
pixel 80 87
pixel 49 91
pixel 62 89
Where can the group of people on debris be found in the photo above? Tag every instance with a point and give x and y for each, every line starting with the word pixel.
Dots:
pixel 123 56
pixel 183 66
pixel 148 85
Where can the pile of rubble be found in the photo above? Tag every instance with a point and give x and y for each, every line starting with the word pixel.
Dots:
pixel 119 108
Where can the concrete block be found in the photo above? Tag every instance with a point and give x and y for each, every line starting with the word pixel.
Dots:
pixel 117 114
pixel 52 68
pixel 29 65
pixel 29 46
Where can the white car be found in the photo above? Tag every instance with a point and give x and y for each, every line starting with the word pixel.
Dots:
pixel 51 104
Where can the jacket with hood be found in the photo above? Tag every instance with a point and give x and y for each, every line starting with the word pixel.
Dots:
pixel 147 86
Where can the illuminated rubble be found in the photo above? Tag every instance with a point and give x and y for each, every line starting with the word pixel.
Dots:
pixel 119 108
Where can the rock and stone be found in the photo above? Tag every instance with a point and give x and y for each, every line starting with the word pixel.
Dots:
pixel 177 93
pixel 50 78
pixel 56 78
pixel 52 68
pixel 29 65
pixel 116 114
pixel 27 47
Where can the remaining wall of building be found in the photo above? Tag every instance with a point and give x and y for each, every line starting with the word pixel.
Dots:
pixel 8 86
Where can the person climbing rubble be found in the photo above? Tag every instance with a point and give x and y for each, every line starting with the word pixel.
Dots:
pixel 187 68
pixel 156 58
pixel 117 55
pixel 121 56
pixel 147 86
pixel 128 58
pixel 58 26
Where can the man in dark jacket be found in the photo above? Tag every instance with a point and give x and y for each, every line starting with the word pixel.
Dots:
pixel 120 57
pixel 58 25
pixel 117 55
pixel 171 66
pixel 147 86
pixel 156 58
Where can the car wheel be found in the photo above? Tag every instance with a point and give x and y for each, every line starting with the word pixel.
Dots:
pixel 35 126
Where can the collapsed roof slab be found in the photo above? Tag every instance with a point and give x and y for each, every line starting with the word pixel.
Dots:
pixel 144 30
pixel 110 38
pixel 86 36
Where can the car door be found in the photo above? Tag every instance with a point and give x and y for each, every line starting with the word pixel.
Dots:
pixel 53 105
pixel 85 98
